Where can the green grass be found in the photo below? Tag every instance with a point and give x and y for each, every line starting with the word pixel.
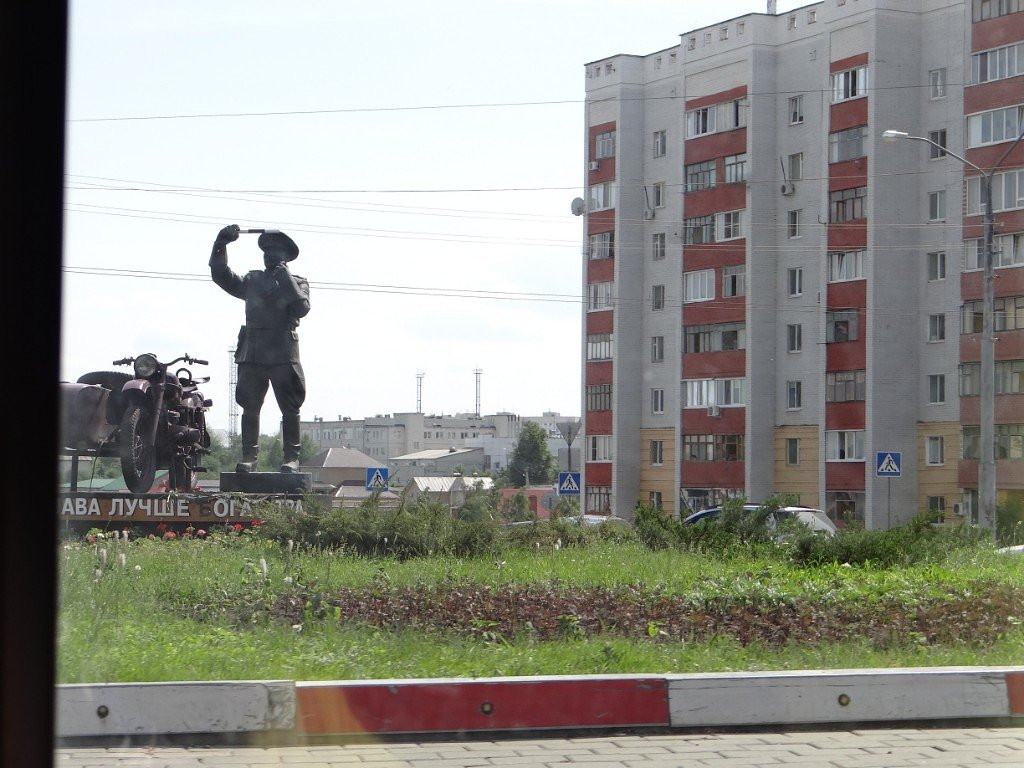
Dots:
pixel 128 623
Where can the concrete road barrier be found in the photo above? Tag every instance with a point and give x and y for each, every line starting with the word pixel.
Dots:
pixel 538 703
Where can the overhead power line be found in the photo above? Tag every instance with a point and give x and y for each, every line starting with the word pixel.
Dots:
pixel 467 105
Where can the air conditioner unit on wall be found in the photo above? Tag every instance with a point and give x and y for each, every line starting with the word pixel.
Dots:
pixel 648 214
pixel 714 410
pixel 594 165
pixel 788 188
pixel 957 509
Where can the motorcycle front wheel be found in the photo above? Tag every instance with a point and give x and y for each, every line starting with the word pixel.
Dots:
pixel 138 456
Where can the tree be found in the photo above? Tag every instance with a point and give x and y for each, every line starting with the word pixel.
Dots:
pixel 531 459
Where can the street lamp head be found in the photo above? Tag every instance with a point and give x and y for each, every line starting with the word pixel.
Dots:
pixel 892 135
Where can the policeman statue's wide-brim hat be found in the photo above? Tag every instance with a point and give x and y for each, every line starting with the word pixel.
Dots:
pixel 273 237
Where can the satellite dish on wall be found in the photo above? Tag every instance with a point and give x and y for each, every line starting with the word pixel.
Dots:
pixel 578 207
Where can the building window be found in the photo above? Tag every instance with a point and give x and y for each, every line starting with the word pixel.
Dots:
pixel 937 137
pixel 734 281
pixel 698 230
pixel 936 266
pixel 971 317
pixel 605 145
pixel 844 445
pixel 730 225
pixel 657 401
pixel 698 447
pixel 599 499
pixel 657 349
pixel 601 196
pixel 794 395
pixel 851 84
pixel 599 397
pixel 1007 192
pixel 714 338
pixel 990 9
pixel 848 265
pixel 793 224
pixel 658 246
pixel 1009 442
pixel 795 280
pixel 796 166
pixel 602 246
pixel 657 297
pixel 658 195
pixel 847 145
pixel 996 64
pixel 691 43
pixel 794 337
pixel 654 499
pixel 937 83
pixel 728 447
pixel 812 16
pixel 792 21
pixel 700 175
pixel 1009 377
pixel 1007 251
pixel 936 509
pixel 936 327
pixel 700 393
pixel 792 451
pixel 994 126
pixel 599 296
pixel 599 346
pixel 970 379
pixel 796 110
pixel 723 33
pixel 937 388
pixel 700 122
pixel 735 168
pixel 937 205
pixel 840 326
pixel 935 450
pixel 599 448
pixel 847 205
pixel 845 386
pixel 699 285
pixel 657 454
pixel 660 143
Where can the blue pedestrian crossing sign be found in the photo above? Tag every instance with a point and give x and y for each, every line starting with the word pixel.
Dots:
pixel 888 464
pixel 376 478
pixel 568 483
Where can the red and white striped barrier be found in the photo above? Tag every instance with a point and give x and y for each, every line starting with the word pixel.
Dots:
pixel 539 703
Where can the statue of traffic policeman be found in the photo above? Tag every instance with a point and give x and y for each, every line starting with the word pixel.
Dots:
pixel 268 344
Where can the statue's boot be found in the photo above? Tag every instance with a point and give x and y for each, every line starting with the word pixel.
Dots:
pixel 291 441
pixel 250 443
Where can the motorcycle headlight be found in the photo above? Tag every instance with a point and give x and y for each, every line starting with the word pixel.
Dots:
pixel 145 366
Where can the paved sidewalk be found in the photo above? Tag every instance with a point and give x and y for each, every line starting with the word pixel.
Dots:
pixel 946 747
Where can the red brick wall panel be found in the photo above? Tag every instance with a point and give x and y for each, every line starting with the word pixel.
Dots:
pixel 848 236
pixel 844 475
pixel 731 310
pixel 847 114
pixel 714 145
pixel 600 322
pixel 712 474
pixel 731 422
pixel 601 221
pixel 993 33
pixel 598 473
pixel 706 365
pixel 848 174
pixel 839 65
pixel 721 197
pixel 600 270
pixel 998 93
pixel 599 423
pixel 727 254
pixel 1009 409
pixel 599 372
pixel 717 98
pixel 1009 475
pixel 844 415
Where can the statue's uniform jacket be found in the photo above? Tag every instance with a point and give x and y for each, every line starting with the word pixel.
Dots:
pixel 273 306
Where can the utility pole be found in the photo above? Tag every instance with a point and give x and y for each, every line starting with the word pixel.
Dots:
pixel 478 373
pixel 987 438
pixel 419 392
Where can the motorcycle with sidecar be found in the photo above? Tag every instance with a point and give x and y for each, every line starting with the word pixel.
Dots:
pixel 150 419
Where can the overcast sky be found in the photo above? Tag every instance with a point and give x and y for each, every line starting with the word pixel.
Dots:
pixel 422 155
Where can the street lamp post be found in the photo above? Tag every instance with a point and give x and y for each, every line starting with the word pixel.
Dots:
pixel 986 458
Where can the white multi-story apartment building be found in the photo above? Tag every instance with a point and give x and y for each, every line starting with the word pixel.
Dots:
pixel 774 293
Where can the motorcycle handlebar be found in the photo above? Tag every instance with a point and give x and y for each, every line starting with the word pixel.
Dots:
pixel 124 361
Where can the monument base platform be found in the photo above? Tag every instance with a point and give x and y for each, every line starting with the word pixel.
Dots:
pixel 266 482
